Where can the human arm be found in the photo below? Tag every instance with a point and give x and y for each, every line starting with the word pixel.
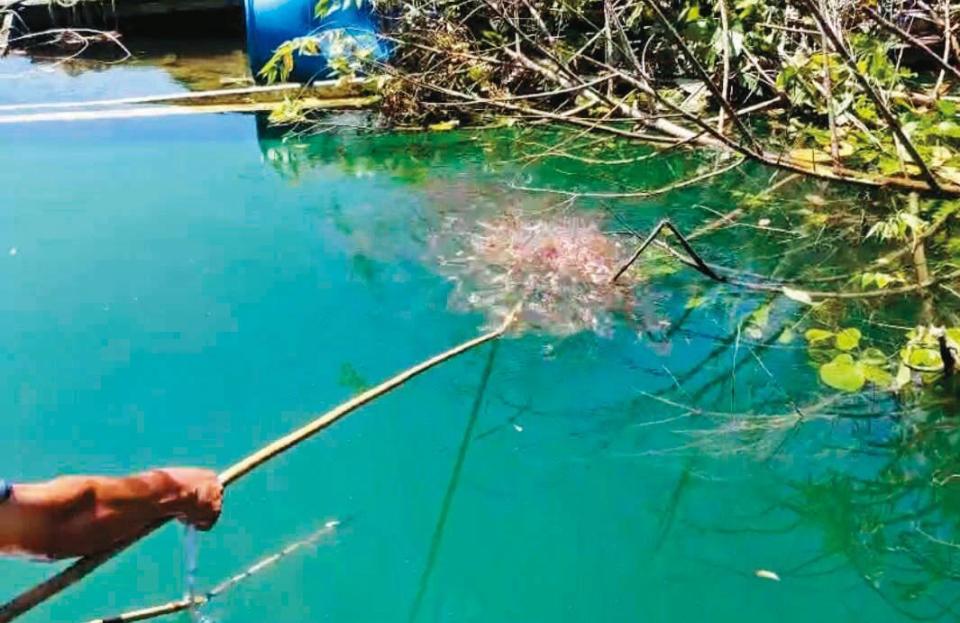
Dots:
pixel 79 515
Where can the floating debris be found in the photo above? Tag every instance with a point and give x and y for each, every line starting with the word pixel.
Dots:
pixel 767 575
pixel 560 268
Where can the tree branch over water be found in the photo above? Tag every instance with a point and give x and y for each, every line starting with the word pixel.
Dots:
pixel 569 64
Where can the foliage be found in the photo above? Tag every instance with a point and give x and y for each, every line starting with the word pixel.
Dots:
pixel 346 51
pixel 897 226
pixel 844 365
pixel 480 52
pixel 866 110
pixel 279 66
pixel 325 8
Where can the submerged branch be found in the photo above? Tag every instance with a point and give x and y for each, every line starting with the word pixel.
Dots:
pixel 698 262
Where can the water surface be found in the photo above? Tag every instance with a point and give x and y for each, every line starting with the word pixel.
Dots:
pixel 184 290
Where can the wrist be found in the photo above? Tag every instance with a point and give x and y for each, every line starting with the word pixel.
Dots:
pixel 170 496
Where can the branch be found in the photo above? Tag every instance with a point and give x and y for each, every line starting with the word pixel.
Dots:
pixel 721 98
pixel 907 37
pixel 639 193
pixel 828 90
pixel 881 105
pixel 697 260
pixel 725 85
pixel 947 29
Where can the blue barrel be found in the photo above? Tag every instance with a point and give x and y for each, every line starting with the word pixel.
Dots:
pixel 345 29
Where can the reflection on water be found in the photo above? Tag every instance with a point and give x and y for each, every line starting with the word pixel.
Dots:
pixel 194 63
pixel 202 64
pixel 209 286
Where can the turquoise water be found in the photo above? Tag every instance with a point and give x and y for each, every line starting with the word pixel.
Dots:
pixel 182 291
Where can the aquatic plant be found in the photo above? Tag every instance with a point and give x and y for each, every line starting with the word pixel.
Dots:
pixel 559 269
pixel 927 354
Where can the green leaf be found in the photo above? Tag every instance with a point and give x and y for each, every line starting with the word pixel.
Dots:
pixel 843 374
pixel 877 376
pixel 951 174
pixel 924 359
pixel 694 302
pixel 820 356
pixel 873 357
pixel 817 335
pixel 786 336
pixel 761 316
pixel 948 128
pixel 351 378
pixel 888 165
pixel 903 377
pixel 444 126
pixel 848 339
pixel 736 42
pixel 809 156
pixel 947 107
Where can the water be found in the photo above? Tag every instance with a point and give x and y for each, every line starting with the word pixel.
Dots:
pixel 182 291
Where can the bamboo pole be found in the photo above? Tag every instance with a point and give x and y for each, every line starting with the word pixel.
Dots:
pixel 186 603
pixel 326 89
pixel 309 103
pixel 43 591
pixel 171 607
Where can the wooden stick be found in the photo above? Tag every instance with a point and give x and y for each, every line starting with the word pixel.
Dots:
pixel 153 612
pixel 725 84
pixel 697 261
pixel 80 569
pixel 947 30
pixel 333 89
pixel 177 111
pixel 241 468
pixel 828 92
pixel 179 605
pixel 6 27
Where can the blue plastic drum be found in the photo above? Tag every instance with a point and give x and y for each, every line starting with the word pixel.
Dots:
pixel 346 31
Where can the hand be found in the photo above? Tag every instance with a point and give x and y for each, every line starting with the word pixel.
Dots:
pixel 201 496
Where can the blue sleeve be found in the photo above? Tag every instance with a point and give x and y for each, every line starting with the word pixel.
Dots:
pixel 6 490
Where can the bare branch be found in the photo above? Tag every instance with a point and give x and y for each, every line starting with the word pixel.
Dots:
pixel 913 41
pixel 708 82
